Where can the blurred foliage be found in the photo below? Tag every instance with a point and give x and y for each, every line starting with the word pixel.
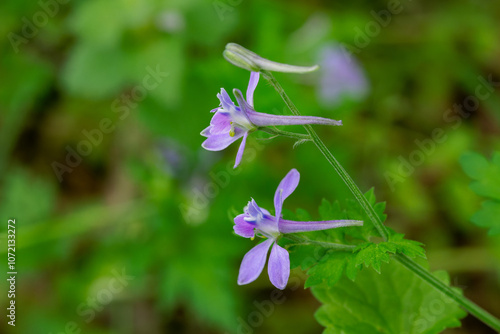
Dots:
pixel 146 199
pixel 487 183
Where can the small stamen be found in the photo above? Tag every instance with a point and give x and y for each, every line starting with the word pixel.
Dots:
pixel 231 131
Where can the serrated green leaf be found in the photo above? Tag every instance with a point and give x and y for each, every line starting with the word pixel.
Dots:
pixel 327 210
pixel 378 207
pixel 329 269
pixel 410 248
pixel 372 255
pixel 393 302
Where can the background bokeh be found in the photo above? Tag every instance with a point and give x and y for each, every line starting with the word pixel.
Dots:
pixel 130 84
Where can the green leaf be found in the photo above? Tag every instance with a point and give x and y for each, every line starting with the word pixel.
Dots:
pixel 395 301
pixel 488 216
pixel 487 183
pixel 485 174
pixel 305 256
pixel 330 268
pixel 407 247
pixel 102 67
pixel 378 207
pixel 14 203
pixel 331 211
pixel 371 254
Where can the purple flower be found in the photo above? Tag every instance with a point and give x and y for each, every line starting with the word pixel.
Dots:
pixel 341 76
pixel 231 122
pixel 258 221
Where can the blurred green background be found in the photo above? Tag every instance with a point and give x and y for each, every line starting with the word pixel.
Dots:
pixel 146 203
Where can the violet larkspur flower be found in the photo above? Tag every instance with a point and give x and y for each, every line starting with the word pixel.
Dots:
pixel 231 122
pixel 342 77
pixel 258 221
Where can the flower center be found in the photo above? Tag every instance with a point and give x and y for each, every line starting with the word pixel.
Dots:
pixel 264 223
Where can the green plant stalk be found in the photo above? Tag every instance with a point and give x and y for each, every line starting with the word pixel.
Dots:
pixel 468 305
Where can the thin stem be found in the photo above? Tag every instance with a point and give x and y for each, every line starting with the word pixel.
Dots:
pixel 468 305
pixel 331 245
pixel 288 134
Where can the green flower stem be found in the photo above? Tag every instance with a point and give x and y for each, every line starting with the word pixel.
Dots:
pixel 304 241
pixel 278 132
pixel 468 305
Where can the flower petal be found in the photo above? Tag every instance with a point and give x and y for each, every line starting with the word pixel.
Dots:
pixel 253 262
pixel 244 106
pixel 285 188
pixel 252 84
pixel 243 228
pixel 221 123
pixel 264 222
pixel 239 155
pixel 219 142
pixel 290 226
pixel 279 267
pixel 207 132
pixel 253 211
pixel 225 100
pixel 263 119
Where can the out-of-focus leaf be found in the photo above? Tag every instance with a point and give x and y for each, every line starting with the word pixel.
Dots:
pixel 487 183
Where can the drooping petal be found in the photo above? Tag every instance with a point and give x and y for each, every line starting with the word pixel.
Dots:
pixel 290 226
pixel 219 142
pixel 243 228
pixel 253 262
pixel 279 266
pixel 239 155
pixel 252 84
pixel 262 119
pixel 285 188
